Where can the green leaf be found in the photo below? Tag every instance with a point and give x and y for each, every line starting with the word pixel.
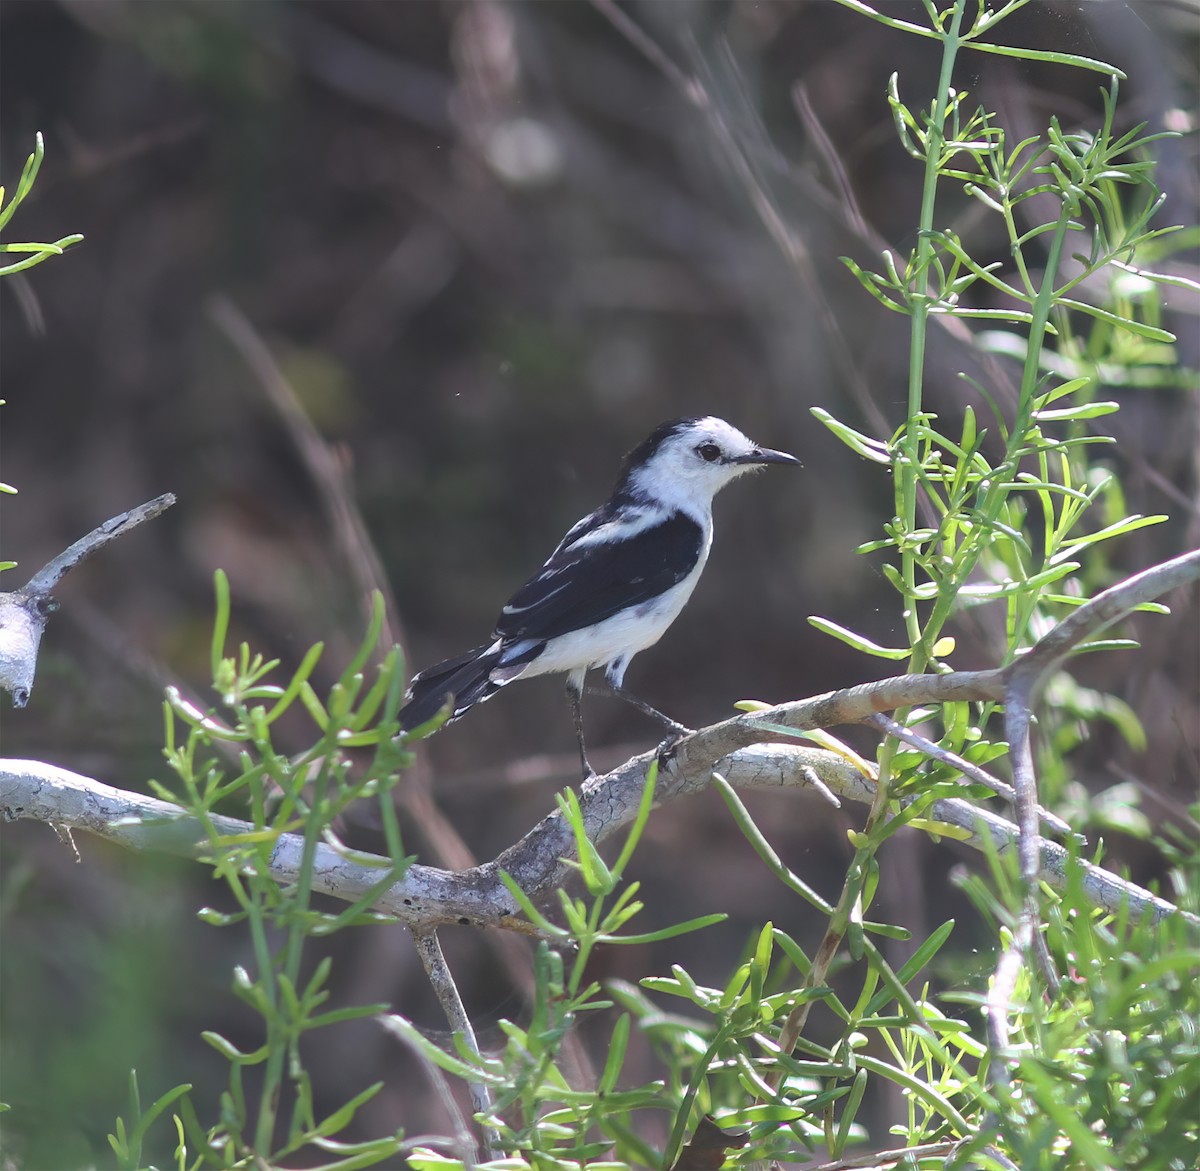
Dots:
pixel 306 668
pixel 764 849
pixel 344 1115
pixel 913 965
pixel 412 1036
pixel 389 682
pixel 157 1109
pixel 1119 528
pixel 220 621
pixel 671 932
pixel 1160 278
pixel 231 1052
pixel 849 1112
pixel 941 829
pixel 1030 585
pixel 876 286
pixel 28 174
pixel 922 1091
pixel 1106 644
pixel 862 444
pixel 1086 411
pixel 1140 328
pixel 857 641
pixel 645 806
pixel 527 908
pixel 794 952
pixel 597 877
pixel 369 641
pixel 352 1012
pixel 1062 390
pixel 875 546
pixel 1053 1102
pixel 617 1044
pixel 313 705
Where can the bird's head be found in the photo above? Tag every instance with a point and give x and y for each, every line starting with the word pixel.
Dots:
pixel 686 462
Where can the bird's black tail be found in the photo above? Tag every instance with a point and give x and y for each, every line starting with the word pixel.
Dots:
pixel 466 677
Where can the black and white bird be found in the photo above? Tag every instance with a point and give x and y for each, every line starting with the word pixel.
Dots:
pixel 615 583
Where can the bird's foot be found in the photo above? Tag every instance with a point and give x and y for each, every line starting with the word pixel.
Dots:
pixel 665 752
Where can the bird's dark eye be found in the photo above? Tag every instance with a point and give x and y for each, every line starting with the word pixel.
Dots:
pixel 709 452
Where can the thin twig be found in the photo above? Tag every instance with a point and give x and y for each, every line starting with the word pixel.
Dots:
pixel 651 50
pixel 973 771
pixel 465 1146
pixel 429 948
pixel 23 612
pixel 1023 677
pixel 1025 937
pixel 1104 609
pixel 833 161
pixel 57 568
pixel 1004 983
pixel 888 1158
pixel 327 471
pixel 819 787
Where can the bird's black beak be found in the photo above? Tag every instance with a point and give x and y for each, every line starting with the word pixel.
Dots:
pixel 764 455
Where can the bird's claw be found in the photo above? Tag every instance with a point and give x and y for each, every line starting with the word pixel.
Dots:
pixel 666 749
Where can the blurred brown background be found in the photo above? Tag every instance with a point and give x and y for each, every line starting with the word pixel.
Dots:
pixel 489 246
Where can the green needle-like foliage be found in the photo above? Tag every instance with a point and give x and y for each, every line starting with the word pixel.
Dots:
pixel 32 253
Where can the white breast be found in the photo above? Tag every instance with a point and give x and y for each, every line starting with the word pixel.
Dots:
pixel 618 637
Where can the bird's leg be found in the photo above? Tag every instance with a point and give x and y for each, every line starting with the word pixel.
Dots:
pixel 574 694
pixel 676 728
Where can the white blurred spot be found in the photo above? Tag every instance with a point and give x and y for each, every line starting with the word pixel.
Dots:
pixel 524 152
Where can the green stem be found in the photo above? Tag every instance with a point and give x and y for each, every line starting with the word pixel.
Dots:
pixel 920 641
pixel 1043 304
pixel 269 1102
pixel 313 826
pixel 281 1033
pixel 906 493
pixel 910 443
pixel 934 143
pixel 1006 472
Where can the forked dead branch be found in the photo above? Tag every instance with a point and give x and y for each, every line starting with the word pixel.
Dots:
pixel 23 612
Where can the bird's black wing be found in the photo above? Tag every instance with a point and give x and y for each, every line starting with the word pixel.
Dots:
pixel 584 584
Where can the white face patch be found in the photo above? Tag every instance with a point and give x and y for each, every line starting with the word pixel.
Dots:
pixel 685 472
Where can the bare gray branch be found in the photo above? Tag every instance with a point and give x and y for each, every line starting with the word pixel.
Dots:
pixel 55 570
pixel 23 612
